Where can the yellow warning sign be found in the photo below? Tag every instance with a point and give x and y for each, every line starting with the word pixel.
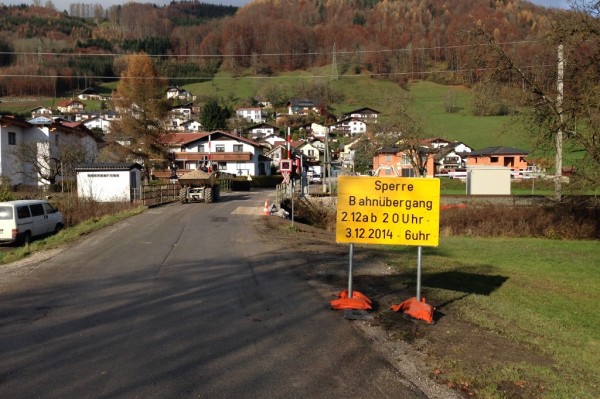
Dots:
pixel 388 210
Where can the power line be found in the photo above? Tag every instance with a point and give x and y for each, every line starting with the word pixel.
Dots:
pixel 207 78
pixel 310 53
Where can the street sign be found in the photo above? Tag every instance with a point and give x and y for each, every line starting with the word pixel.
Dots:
pixel 388 210
pixel 286 176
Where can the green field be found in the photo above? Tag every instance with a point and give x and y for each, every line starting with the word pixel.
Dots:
pixel 541 295
pixel 426 99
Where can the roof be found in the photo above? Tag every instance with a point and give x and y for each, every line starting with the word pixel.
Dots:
pixel 181 139
pixel 499 150
pixel 302 102
pixel 362 110
pixel 174 139
pixel 108 166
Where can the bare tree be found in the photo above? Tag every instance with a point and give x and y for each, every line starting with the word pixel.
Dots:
pixel 403 129
pixel 562 100
pixel 41 162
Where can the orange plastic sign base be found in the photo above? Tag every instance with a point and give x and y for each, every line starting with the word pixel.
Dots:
pixel 358 301
pixel 414 308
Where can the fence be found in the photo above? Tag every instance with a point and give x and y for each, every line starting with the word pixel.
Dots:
pixel 157 194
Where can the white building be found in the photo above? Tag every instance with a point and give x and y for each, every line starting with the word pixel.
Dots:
pixel 256 115
pixel 109 182
pixel 44 144
pixel 224 151
pixel 349 127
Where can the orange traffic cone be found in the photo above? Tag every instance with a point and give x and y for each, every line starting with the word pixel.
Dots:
pixel 266 209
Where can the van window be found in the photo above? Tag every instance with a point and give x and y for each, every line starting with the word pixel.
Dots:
pixel 23 212
pixel 6 212
pixel 49 208
pixel 37 210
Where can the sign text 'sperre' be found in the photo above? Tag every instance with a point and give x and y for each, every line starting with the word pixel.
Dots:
pixel 388 210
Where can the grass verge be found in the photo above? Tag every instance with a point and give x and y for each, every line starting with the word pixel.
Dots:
pixel 67 235
pixel 538 295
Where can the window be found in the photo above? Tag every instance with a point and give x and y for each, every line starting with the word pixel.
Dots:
pixel 408 172
pixel 311 153
pixel 405 159
pixel 220 148
pixel 201 148
pixel 493 159
pixel 12 138
pixel 222 165
pixel 238 148
pixel 388 158
pixel 23 212
pixel 49 208
pixel 37 210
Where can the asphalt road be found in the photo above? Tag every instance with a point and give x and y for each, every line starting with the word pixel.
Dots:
pixel 182 301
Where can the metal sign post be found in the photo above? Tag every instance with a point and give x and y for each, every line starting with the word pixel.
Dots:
pixel 292 202
pixel 419 263
pixel 350 271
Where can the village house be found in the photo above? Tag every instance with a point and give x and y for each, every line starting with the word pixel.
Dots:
pixel 313 150
pixel 365 114
pixel 41 111
pixel 89 94
pixel 255 115
pixel 262 130
pixel 49 140
pixel 394 161
pixel 349 126
pixel 513 158
pixel 178 93
pixel 302 106
pixel 70 106
pixel 224 151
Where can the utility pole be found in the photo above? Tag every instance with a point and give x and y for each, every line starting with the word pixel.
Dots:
pixel 559 133
pixel 334 71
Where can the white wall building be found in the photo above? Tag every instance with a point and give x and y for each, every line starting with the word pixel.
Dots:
pixel 225 151
pixel 256 115
pixel 109 182
pixel 44 144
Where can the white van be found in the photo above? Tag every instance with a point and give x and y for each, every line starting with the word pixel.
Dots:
pixel 23 220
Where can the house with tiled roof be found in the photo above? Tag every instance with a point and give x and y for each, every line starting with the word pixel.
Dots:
pixel 70 106
pixel 222 150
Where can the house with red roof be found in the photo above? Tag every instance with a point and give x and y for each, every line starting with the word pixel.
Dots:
pixel 223 151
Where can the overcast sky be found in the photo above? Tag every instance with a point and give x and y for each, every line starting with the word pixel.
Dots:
pixel 64 4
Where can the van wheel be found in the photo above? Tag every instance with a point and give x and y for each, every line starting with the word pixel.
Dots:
pixel 58 228
pixel 26 239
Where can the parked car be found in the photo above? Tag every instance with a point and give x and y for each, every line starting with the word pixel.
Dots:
pixel 315 178
pixel 23 220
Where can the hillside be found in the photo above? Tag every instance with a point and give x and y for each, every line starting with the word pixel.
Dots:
pixel 191 41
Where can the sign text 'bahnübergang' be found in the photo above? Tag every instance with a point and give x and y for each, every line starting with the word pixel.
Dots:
pixel 388 210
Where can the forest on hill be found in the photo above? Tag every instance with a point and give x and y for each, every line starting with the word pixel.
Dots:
pixel 46 53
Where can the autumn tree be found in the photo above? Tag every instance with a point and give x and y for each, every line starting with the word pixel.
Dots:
pixel 141 101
